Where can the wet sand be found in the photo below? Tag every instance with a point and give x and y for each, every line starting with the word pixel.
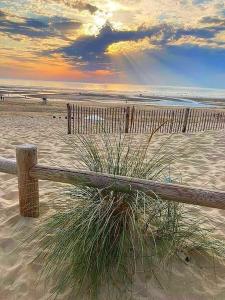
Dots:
pixel 35 95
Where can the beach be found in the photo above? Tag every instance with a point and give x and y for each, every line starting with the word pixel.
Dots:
pixel 108 94
pixel 200 163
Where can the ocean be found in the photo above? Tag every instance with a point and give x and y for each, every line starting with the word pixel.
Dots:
pixel 171 95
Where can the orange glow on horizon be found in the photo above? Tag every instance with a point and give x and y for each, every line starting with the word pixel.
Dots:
pixel 52 69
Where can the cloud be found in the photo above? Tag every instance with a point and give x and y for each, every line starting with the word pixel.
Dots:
pixel 220 39
pixel 192 41
pixel 140 31
pixel 41 27
pixel 63 24
pixel 79 5
pixel 95 50
pixel 66 25
pixel 131 47
pixel 2 14
pixel 213 21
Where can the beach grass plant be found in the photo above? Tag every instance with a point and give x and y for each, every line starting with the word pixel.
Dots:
pixel 103 236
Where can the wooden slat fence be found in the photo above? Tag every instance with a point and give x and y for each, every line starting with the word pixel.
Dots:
pixel 92 120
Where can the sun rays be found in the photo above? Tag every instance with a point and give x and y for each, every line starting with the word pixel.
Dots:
pixel 78 38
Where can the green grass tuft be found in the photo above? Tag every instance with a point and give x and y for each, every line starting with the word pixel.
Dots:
pixel 103 236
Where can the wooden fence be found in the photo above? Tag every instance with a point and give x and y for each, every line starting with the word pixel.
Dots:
pixel 87 119
pixel 28 170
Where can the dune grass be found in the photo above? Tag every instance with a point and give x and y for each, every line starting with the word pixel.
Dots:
pixel 103 236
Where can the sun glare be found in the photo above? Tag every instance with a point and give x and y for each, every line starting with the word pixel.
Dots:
pixel 113 6
pixel 100 19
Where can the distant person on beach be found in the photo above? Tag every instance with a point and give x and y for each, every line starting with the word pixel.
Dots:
pixel 44 100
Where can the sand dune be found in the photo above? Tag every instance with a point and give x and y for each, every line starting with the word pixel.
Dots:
pixel 201 161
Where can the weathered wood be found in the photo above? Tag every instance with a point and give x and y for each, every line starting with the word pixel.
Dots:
pixel 171 122
pixel 139 121
pixel 81 119
pixel 86 120
pixel 214 120
pixel 105 119
pixel 164 120
pixel 26 158
pixel 136 120
pixel 194 120
pixel 167 191
pixel 143 122
pixel 146 122
pixel 179 120
pixel 168 116
pixel 69 118
pixel 151 121
pixel 121 120
pixel 8 166
pixel 113 120
pixel 73 120
pixel 127 119
pixel 198 125
pixel 132 119
pixel 29 172
pixel 187 111
pixel 208 121
pixel 205 120
pixel 116 119
pixel 76 118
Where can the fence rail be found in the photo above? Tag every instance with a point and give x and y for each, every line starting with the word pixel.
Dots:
pixel 87 119
pixel 29 172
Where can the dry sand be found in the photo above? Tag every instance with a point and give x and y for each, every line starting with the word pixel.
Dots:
pixel 201 163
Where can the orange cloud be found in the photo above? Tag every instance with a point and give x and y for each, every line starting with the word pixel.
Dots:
pixel 49 69
pixel 103 73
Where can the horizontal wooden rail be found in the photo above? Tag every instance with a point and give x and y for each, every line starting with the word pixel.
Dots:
pixel 8 166
pixel 167 191
pixel 29 172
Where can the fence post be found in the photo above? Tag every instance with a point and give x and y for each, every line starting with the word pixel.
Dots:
pixel 26 158
pixel 73 120
pixel 69 118
pixel 132 118
pixel 127 119
pixel 171 122
pixel 187 111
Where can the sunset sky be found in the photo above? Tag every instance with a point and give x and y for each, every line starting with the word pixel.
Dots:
pixel 156 42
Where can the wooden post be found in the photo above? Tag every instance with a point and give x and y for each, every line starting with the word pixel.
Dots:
pixel 69 118
pixel 187 111
pixel 132 119
pixel 26 158
pixel 73 120
pixel 171 122
pixel 127 119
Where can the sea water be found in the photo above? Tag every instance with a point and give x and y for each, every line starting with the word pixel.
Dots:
pixel 168 95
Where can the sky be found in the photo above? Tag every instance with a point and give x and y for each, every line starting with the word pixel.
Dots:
pixel 154 42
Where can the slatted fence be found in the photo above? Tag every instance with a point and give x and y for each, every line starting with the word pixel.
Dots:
pixel 92 120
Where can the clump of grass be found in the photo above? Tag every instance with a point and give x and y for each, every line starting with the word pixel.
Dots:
pixel 104 235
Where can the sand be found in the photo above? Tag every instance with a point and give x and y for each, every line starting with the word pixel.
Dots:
pixel 200 162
